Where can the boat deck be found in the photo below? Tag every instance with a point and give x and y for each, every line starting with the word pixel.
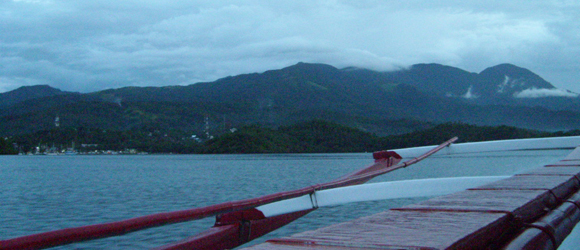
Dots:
pixel 534 210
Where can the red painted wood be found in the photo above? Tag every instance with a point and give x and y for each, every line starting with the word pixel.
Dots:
pixel 560 186
pixel 384 163
pixel 485 217
pixel 69 235
pixel 527 205
pixel 406 230
pixel 235 229
pixel 264 226
pixel 215 238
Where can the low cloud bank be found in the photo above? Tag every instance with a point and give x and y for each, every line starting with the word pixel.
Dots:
pixel 538 93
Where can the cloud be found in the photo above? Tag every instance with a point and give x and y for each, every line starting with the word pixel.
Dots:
pixel 539 93
pixel 469 94
pixel 93 45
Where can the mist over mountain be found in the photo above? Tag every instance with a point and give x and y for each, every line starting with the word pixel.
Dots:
pixel 497 82
pixel 379 102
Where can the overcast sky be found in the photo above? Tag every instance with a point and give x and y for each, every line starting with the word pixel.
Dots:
pixel 79 45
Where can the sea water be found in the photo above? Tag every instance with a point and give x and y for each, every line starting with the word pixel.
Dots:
pixel 43 193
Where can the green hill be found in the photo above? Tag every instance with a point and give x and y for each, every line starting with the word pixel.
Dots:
pixel 383 103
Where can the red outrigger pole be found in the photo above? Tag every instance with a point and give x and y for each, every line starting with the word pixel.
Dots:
pixel 237 222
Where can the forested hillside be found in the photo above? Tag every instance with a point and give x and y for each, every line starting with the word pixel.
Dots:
pixel 297 109
pixel 383 103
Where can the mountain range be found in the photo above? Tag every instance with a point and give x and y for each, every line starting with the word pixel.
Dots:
pixel 390 102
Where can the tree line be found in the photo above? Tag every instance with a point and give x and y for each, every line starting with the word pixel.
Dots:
pixel 315 136
pixel 6 147
pixel 325 137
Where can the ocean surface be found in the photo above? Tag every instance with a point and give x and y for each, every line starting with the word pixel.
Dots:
pixel 43 193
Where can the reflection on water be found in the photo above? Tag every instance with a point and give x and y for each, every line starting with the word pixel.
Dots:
pixel 42 193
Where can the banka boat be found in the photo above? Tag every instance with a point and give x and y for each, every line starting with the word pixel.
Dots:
pixel 533 210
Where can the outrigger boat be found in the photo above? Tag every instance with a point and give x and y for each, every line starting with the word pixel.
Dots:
pixel 239 222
